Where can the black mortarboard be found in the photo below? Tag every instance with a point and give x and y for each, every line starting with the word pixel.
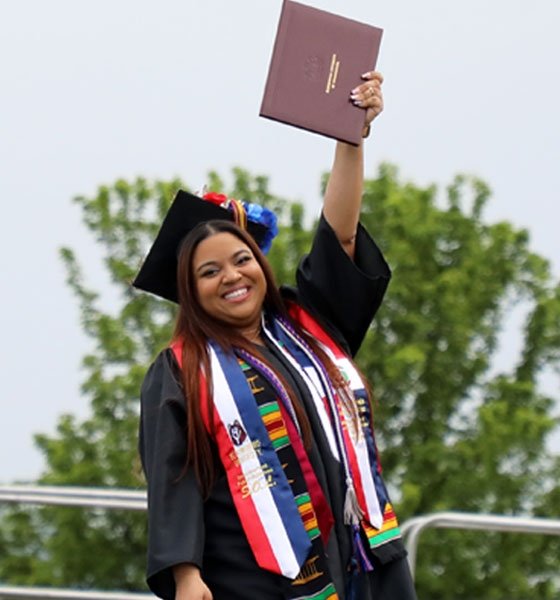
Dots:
pixel 158 274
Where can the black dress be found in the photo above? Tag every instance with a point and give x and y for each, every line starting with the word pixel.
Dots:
pixel 344 295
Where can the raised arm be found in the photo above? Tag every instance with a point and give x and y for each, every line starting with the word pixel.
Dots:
pixel 343 196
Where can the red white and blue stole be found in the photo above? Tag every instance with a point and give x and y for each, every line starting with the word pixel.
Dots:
pixel 379 522
pixel 260 468
pixel 352 445
pixel 260 488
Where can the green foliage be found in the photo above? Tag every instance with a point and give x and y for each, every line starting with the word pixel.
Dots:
pixel 455 434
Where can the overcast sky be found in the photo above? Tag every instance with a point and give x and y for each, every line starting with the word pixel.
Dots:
pixel 94 91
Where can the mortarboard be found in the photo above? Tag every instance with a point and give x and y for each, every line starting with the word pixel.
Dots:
pixel 158 273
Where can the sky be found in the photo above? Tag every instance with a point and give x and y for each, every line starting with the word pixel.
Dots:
pixel 95 91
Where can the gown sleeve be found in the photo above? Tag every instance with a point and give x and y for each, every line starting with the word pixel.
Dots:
pixel 344 293
pixel 175 504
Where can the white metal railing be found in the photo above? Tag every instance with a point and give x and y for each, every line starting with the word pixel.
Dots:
pixel 36 593
pixel 412 528
pixel 136 500
pixel 71 496
pixel 74 496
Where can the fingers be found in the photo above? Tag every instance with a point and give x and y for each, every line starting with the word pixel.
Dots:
pixel 368 95
pixel 373 76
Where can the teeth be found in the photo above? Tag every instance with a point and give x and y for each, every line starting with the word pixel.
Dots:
pixel 236 293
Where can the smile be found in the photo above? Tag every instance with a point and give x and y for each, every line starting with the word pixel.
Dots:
pixel 237 294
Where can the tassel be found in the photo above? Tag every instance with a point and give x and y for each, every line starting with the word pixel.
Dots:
pixel 352 512
pixel 364 564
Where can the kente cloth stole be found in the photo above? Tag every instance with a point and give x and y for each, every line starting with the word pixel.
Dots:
pixel 313 580
pixel 283 511
pixel 379 522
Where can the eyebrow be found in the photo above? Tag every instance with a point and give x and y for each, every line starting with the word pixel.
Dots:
pixel 214 262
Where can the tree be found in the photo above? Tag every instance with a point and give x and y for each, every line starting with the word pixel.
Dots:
pixel 454 434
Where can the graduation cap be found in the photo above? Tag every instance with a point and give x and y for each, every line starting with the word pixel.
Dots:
pixel 158 274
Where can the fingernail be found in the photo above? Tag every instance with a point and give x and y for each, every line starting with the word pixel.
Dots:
pixel 357 102
pixel 355 91
pixel 365 75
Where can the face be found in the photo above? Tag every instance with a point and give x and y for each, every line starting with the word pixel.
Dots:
pixel 230 283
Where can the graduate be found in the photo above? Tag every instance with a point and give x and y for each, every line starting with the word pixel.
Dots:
pixel 256 434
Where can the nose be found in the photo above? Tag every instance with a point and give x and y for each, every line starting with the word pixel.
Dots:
pixel 231 275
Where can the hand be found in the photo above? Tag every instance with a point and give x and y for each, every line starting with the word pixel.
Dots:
pixel 369 96
pixel 189 584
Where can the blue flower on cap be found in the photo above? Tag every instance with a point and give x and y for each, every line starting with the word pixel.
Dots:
pixel 254 212
pixel 264 216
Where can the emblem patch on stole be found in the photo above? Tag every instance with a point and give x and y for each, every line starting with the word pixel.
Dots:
pixel 237 433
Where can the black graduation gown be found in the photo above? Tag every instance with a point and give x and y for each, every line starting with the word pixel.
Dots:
pixel 344 295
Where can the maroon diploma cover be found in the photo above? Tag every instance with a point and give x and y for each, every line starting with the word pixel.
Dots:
pixel 318 58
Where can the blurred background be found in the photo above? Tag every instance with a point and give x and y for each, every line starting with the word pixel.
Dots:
pixel 94 93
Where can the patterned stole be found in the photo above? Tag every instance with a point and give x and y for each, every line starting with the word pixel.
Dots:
pixel 353 439
pixel 385 527
pixel 313 581
pixel 280 503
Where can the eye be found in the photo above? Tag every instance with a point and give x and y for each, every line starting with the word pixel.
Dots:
pixel 209 272
pixel 244 258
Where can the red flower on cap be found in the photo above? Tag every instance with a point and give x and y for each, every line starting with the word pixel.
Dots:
pixel 215 198
pixel 245 210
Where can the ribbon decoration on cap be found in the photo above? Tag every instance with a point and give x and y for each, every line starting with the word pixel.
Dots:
pixel 244 211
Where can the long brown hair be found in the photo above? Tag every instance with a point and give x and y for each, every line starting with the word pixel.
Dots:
pixel 194 327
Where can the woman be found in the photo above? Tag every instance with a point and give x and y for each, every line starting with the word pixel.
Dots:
pixel 256 439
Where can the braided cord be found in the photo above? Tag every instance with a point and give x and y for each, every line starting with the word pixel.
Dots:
pixel 329 393
pixel 273 379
